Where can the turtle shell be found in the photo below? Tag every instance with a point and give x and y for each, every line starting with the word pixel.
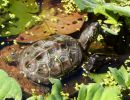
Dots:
pixel 54 57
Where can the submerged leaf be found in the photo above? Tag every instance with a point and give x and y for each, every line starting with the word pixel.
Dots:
pixel 53 24
pixel 52 20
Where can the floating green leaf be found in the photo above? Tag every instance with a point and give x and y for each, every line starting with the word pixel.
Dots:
pixel 128 81
pixel 9 88
pixel 121 76
pixel 118 76
pixel 56 91
pixel 91 91
pixel 101 7
pixel 112 11
pixel 19 16
pixel 111 93
pixel 82 92
pixel 36 98
pixel 95 91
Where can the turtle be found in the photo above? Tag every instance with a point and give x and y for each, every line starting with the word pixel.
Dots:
pixel 56 56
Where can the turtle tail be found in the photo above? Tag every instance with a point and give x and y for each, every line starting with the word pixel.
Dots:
pixel 89 34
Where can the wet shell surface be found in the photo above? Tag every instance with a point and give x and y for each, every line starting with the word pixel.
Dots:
pixel 54 57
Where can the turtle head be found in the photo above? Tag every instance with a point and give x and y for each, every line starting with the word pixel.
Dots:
pixel 89 34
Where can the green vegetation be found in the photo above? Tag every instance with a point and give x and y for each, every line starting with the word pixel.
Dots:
pixel 121 76
pixel 19 15
pixel 9 88
pixel 36 98
pixel 112 10
pixel 56 91
pixel 16 16
pixel 93 91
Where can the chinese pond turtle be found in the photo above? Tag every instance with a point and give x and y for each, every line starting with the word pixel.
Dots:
pixel 56 56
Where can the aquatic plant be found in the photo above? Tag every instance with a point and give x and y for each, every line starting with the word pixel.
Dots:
pixel 112 10
pixel 16 16
pixel 9 88
pixel 69 6
pixel 93 91
pixel 121 76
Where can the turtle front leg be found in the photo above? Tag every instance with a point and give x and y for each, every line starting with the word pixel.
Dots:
pixel 101 62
